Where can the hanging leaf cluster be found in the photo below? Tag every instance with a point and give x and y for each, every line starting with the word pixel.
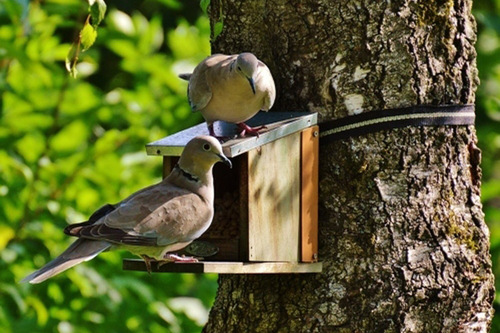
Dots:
pixel 219 25
pixel 87 36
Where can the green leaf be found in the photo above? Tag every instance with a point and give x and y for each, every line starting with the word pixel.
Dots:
pixel 79 100
pixel 204 5
pixel 88 36
pixel 42 313
pixel 218 29
pixel 71 137
pixel 97 11
pixel 6 234
pixel 72 58
pixel 31 147
pixel 15 295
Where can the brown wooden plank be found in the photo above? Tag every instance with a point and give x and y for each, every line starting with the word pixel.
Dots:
pixel 309 194
pixel 226 267
pixel 167 166
pixel 274 200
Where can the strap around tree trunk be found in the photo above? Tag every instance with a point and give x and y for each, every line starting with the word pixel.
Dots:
pixel 378 120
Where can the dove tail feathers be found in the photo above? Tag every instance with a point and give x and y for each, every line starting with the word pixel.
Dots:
pixel 80 250
pixel 185 76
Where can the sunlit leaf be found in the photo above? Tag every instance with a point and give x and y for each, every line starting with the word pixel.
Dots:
pixel 97 11
pixel 70 137
pixel 31 146
pixel 174 4
pixel 133 323
pixel 88 36
pixel 164 313
pixel 6 234
pixel 24 122
pixel 204 5
pixel 123 48
pixel 93 317
pixel 83 97
pixel 40 309
pixel 15 9
pixel 72 58
pixel 490 190
pixel 14 293
pixel 197 49
pixel 192 307
pixel 88 198
pixel 218 28
pixel 55 293
pixel 121 22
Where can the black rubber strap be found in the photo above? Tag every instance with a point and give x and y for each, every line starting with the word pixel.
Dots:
pixel 373 121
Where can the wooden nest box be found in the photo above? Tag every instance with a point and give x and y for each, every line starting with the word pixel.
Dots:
pixel 266 206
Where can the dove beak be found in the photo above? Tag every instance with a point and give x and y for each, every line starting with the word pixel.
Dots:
pixel 252 84
pixel 225 160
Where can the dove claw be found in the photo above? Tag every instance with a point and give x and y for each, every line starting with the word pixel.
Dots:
pixel 171 257
pixel 250 130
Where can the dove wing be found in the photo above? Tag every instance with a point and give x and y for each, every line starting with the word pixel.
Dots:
pixel 156 216
pixel 266 81
pixel 205 76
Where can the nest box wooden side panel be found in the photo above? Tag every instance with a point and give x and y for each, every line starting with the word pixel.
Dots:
pixel 168 165
pixel 309 194
pixel 274 200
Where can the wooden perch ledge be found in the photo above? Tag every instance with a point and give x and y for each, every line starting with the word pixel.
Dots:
pixel 225 267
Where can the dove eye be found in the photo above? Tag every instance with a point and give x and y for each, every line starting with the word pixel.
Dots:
pixel 239 68
pixel 206 147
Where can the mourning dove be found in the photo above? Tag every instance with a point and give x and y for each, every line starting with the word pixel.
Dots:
pixel 232 88
pixel 152 222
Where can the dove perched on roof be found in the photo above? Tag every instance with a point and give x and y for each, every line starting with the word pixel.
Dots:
pixel 151 222
pixel 232 88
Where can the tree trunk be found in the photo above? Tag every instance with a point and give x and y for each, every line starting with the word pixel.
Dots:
pixel 402 234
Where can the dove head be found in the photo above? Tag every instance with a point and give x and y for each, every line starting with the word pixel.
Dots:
pixel 200 155
pixel 246 65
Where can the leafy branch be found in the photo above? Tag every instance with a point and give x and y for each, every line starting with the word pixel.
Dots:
pixel 87 35
pixel 219 25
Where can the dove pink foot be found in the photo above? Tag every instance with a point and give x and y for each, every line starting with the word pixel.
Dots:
pixel 249 130
pixel 170 257
pixel 176 258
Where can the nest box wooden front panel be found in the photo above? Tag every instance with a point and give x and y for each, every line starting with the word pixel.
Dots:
pixel 274 200
pixel 266 206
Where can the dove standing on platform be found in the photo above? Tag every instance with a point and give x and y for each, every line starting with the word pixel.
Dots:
pixel 232 88
pixel 154 221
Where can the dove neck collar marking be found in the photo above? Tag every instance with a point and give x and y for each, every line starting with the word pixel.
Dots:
pixel 186 174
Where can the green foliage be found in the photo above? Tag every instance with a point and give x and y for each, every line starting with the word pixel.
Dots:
pixel 219 25
pixel 71 145
pixel 204 6
pixel 487 14
pixel 97 11
pixel 87 35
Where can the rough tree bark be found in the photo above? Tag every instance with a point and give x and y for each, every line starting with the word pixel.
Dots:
pixel 402 234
